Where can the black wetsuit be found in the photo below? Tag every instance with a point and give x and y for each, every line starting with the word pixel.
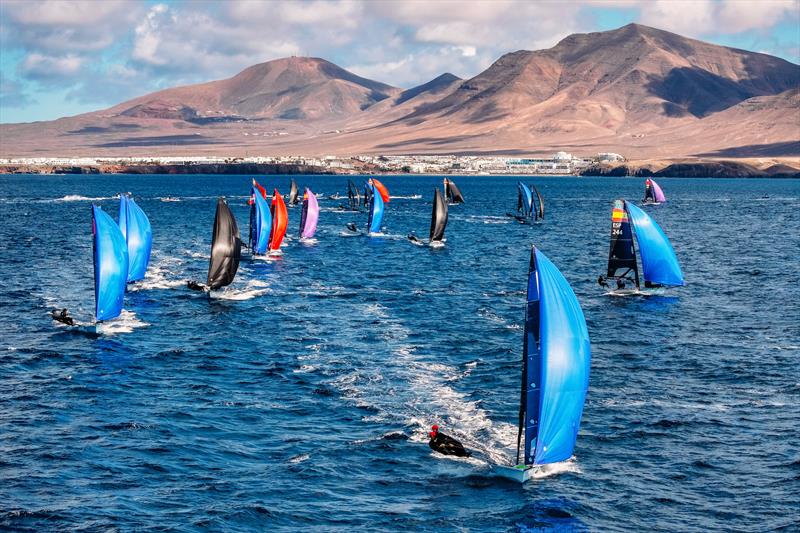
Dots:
pixel 63 317
pixel 602 281
pixel 447 445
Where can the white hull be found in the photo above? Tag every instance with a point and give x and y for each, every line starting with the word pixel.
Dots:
pixel 519 473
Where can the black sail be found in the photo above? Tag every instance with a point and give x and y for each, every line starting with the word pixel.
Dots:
pixel 226 248
pixel 454 195
pixel 353 195
pixel 540 208
pixel 438 216
pixel 294 194
pixel 621 255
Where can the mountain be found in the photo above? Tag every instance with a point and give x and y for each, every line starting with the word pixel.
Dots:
pixel 297 88
pixel 636 90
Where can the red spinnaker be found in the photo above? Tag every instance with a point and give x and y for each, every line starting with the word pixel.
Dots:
pixel 381 189
pixel 280 219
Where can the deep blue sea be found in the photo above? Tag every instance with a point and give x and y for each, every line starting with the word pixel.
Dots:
pixel 300 400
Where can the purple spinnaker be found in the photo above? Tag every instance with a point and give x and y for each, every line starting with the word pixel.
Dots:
pixel 311 209
pixel 657 192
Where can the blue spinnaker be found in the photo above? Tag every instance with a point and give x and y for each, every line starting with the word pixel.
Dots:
pixel 557 367
pixel 375 211
pixel 138 233
pixel 263 223
pixel 527 199
pixel 659 263
pixel 110 265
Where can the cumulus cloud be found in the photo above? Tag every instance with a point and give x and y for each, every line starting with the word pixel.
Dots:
pixel 103 51
pixel 12 95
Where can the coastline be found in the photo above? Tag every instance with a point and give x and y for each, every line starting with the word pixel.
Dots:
pixel 771 168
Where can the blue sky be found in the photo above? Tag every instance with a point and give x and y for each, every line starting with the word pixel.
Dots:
pixel 61 57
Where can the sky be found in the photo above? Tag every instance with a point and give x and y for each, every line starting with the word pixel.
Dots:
pixel 65 57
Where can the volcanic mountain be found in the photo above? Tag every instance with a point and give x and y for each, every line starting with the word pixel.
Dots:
pixel 636 90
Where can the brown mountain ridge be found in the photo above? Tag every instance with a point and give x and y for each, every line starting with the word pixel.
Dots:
pixel 636 90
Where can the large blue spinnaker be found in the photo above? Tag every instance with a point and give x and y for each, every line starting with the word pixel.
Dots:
pixel 525 202
pixel 110 265
pixel 375 211
pixel 556 365
pixel 659 263
pixel 263 223
pixel 138 233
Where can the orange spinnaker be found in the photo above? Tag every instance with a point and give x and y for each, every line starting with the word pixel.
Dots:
pixel 381 189
pixel 280 218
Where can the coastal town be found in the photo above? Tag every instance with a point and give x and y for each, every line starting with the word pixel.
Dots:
pixel 561 163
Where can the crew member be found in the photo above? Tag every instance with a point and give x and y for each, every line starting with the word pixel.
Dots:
pixel 445 444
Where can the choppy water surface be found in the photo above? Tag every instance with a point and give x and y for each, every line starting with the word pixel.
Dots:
pixel 302 398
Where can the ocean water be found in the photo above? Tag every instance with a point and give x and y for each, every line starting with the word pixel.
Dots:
pixel 300 399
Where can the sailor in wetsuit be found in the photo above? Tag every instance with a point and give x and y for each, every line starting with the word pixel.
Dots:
pixel 62 316
pixel 445 444
pixel 602 281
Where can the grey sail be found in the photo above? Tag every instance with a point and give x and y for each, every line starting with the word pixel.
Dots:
pixel 540 207
pixel 226 248
pixel 438 216
pixel 294 194
pixel 453 193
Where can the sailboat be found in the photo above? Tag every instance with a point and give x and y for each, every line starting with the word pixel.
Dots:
pixel 110 257
pixel 438 222
pixel 280 219
pixel 353 197
pixel 309 216
pixel 653 195
pixel 556 357
pixel 294 194
pixel 226 250
pixel 135 226
pixel 260 221
pixel 528 210
pixel 452 192
pixel 376 208
pixel 660 266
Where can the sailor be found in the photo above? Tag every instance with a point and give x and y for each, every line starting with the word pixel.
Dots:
pixel 412 237
pixel 445 444
pixel 352 227
pixel 602 281
pixel 62 316
pixel 620 283
pixel 196 286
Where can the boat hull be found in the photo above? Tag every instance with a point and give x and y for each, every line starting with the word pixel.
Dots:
pixel 519 473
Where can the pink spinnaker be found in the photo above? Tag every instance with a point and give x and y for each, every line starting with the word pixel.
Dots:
pixel 310 215
pixel 657 192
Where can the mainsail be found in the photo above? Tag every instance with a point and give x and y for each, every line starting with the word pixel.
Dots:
pixel 375 211
pixel 309 216
pixel 438 217
pixel 539 209
pixel 353 196
pixel 279 222
pixel 556 361
pixel 452 192
pixel 260 221
pixel 294 194
pixel 110 255
pixel 138 233
pixel 621 255
pixel 226 248
pixel 652 192
pixel 659 263
pixel 524 200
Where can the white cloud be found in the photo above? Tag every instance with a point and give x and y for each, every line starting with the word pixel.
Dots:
pixel 687 18
pixel 737 16
pixel 42 67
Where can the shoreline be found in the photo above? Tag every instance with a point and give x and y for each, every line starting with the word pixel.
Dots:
pixel 660 168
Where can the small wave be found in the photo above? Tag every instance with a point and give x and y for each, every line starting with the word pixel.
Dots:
pixel 251 290
pixel 126 322
pixel 412 197
pixel 79 198
pixel 300 458
pixel 169 199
